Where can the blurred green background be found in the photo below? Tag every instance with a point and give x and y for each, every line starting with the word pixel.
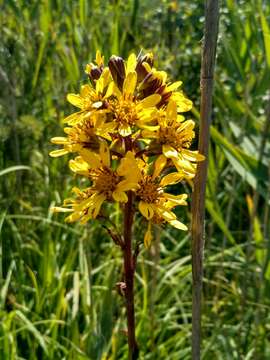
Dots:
pixel 58 298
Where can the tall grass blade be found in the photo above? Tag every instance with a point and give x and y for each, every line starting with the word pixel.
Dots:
pixel 14 168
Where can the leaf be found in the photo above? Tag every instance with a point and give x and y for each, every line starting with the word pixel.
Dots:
pixel 2 219
pixel 30 326
pixel 246 166
pixel 218 219
pixel 257 233
pixel 4 290
pixel 266 37
pixel 14 168
pixel 76 294
pixel 35 284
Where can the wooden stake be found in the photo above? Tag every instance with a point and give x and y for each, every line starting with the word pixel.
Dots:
pixel 198 197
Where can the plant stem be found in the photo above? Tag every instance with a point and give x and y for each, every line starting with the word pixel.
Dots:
pixel 129 268
pixel 198 198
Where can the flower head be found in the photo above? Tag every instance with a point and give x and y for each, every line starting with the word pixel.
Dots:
pixel 128 111
pixel 85 134
pixel 94 71
pixel 91 98
pixel 173 138
pixel 155 82
pixel 107 184
pixel 153 202
pixel 130 137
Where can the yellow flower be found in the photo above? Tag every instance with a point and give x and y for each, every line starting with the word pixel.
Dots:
pixel 140 67
pixel 153 202
pixel 91 98
pixel 128 111
pixel 85 206
pixel 107 184
pixel 155 82
pixel 83 135
pixel 173 137
pixel 94 71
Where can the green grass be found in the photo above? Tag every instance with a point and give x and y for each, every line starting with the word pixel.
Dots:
pixel 58 298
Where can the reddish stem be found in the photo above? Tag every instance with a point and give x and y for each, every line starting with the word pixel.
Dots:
pixel 129 267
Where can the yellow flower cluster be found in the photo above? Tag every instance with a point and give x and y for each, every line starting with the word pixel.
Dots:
pixel 130 136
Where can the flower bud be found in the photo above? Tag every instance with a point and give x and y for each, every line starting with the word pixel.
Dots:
pixel 94 72
pixel 140 69
pixel 117 68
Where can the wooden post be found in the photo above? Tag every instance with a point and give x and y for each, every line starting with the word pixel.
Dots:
pixel 198 197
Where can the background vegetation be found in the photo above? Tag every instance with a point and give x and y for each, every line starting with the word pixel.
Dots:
pixel 58 298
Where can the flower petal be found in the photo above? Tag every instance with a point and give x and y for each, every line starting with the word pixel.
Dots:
pixel 148 114
pixel 160 163
pixel 148 236
pixel 60 152
pixel 165 213
pixel 171 110
pixel 183 104
pixel 105 154
pixel 150 101
pixel 100 85
pixel 174 86
pixel 130 83
pixel 146 210
pixel 124 130
pixel 126 185
pixel 128 167
pixel 97 202
pixel 176 199
pixel 172 179
pixel 55 209
pixel 73 119
pixel 99 58
pixel 169 151
pixel 131 63
pixel 109 91
pixel 187 125
pixel 149 134
pixel 91 158
pixel 86 90
pixel 178 225
pixel 59 140
pixel 75 100
pixel 192 155
pixel 184 165
pixel 142 125
pixel 73 217
pixel 120 196
pixel 79 166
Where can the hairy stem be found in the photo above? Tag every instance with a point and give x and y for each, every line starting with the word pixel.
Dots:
pixel 129 268
pixel 198 198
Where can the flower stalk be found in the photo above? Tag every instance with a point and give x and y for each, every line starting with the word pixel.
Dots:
pixel 129 269
pixel 132 141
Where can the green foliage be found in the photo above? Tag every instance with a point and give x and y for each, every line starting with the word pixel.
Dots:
pixel 58 298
